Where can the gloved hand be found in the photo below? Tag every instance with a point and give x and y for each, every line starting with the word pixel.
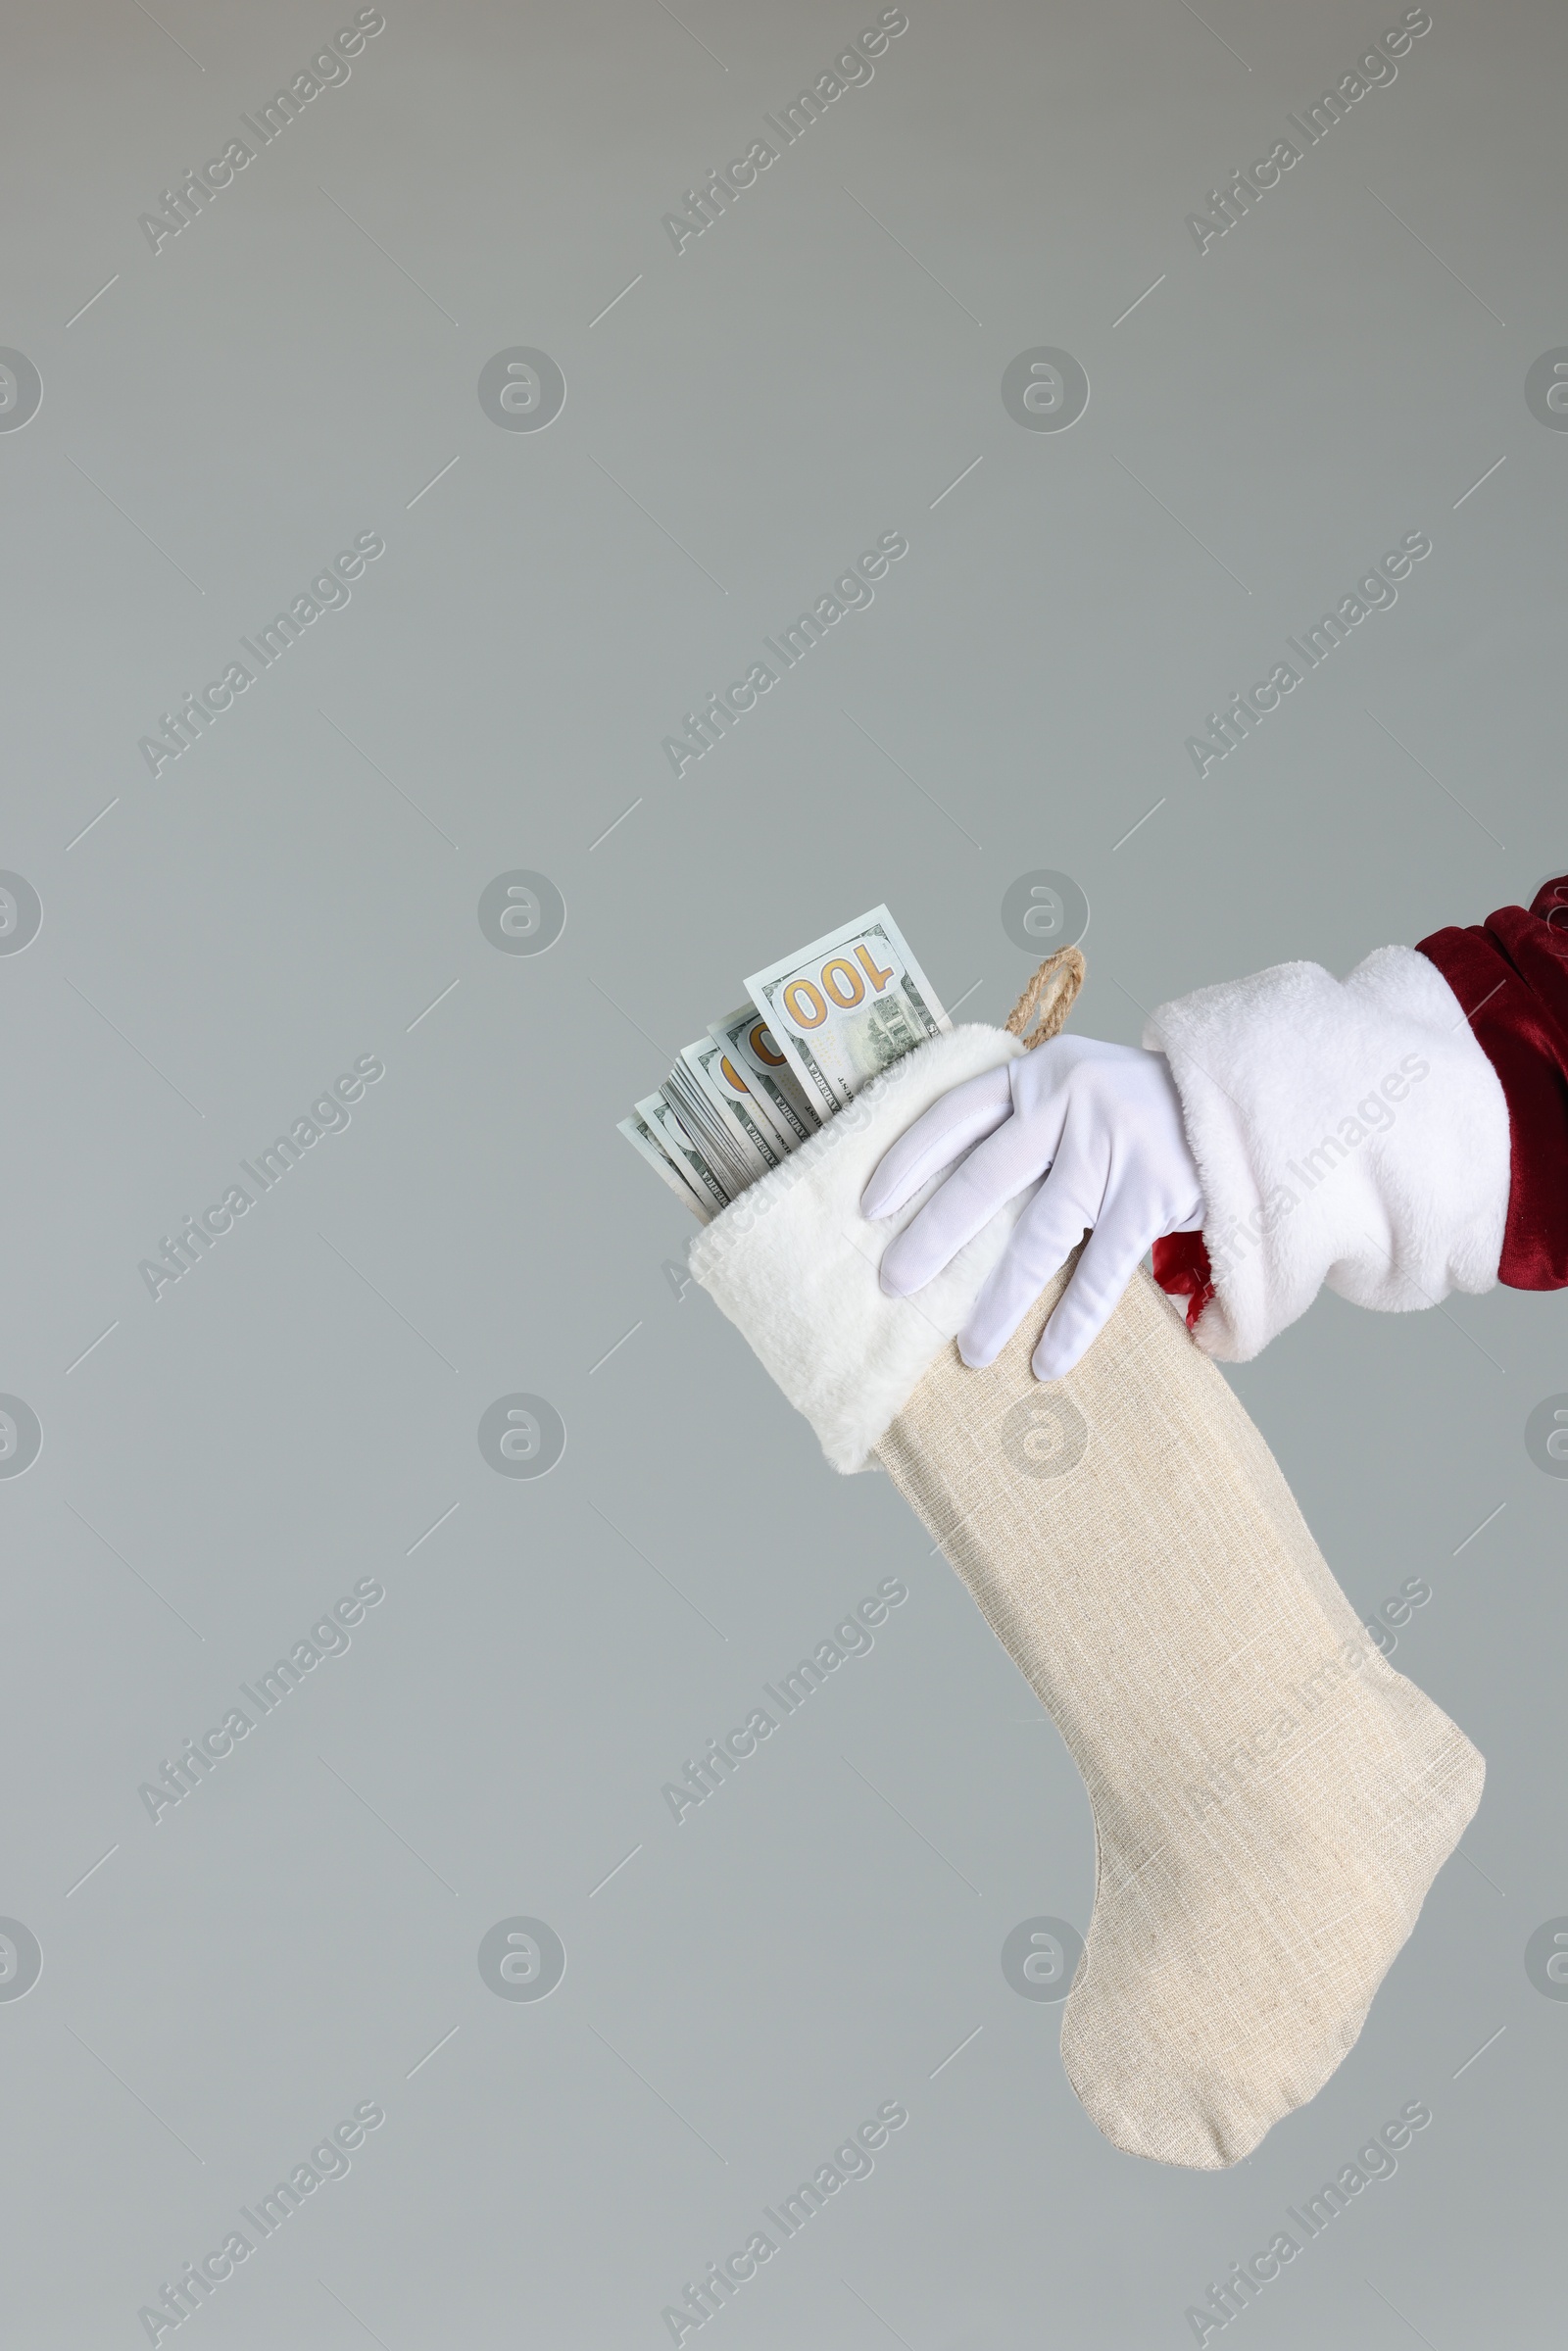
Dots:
pixel 1102 1125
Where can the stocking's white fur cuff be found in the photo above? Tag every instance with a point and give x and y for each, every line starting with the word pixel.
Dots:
pixel 794 1263
pixel 1352 1133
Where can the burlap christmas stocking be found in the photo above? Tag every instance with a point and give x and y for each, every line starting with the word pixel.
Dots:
pixel 1271 1800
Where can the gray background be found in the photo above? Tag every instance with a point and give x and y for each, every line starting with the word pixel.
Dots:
pixel 819 367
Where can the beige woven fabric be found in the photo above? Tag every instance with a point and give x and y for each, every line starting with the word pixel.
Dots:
pixel 1271 1800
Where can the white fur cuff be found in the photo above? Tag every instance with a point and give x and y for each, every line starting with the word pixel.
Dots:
pixel 1352 1133
pixel 795 1265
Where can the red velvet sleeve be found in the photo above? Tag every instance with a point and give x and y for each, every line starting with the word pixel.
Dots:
pixel 1181 1270
pixel 1510 975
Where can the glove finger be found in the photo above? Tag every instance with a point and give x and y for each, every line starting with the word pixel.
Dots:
pixel 960 1118
pixel 1009 1159
pixel 1047 1234
pixel 1110 1260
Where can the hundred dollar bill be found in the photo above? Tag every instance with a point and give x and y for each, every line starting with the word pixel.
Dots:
pixel 661 1123
pixel 734 1104
pixel 844 1008
pixel 756 1105
pixel 723 1151
pixel 644 1143
pixel 751 1052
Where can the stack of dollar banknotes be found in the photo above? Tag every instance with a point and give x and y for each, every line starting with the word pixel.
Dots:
pixel 816 1027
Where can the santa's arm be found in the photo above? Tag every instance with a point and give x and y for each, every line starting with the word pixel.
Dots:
pixel 1395 1135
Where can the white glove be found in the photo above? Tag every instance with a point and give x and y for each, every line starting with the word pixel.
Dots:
pixel 1102 1125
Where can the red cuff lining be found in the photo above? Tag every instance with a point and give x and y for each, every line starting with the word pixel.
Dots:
pixel 1510 975
pixel 1181 1270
